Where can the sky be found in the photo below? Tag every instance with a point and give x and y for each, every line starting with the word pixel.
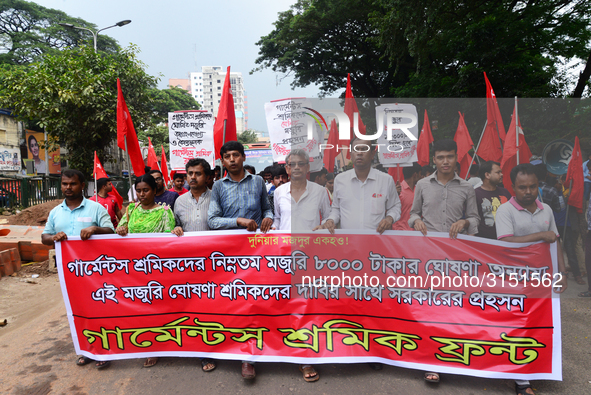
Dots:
pixel 176 37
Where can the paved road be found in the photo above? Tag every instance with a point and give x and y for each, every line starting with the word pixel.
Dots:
pixel 37 357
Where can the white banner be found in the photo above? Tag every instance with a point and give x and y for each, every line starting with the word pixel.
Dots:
pixel 400 150
pixel 10 159
pixel 191 136
pixel 288 122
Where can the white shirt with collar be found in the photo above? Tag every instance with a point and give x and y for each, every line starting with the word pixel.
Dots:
pixel 362 205
pixel 303 215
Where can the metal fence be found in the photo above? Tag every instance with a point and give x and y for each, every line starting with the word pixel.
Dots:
pixel 23 192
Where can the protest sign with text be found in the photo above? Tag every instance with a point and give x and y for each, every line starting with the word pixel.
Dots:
pixel 191 136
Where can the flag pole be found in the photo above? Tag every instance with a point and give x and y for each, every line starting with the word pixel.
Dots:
pixel 95 185
pixel 566 215
pixel 223 142
pixel 516 130
pixel 129 171
pixel 477 146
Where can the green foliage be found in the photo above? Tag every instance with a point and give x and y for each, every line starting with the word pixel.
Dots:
pixel 249 136
pixel 320 41
pixel 73 95
pixel 399 48
pixel 28 30
pixel 159 136
pixel 169 100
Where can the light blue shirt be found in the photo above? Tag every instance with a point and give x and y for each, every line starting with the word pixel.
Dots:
pixel 586 171
pixel 71 222
pixel 231 200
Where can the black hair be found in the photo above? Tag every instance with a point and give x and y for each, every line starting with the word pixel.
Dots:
pixel 524 168
pixel 200 162
pixel 249 167
pixel 330 176
pixel 486 167
pixel 445 145
pixel 474 169
pixel 318 173
pixel 458 167
pixel 101 183
pixel 541 171
pixel 178 175
pixel 148 179
pixel 154 172
pixel 370 143
pixel 31 137
pixel 217 168
pixel 409 171
pixel 278 170
pixel 427 169
pixel 71 173
pixel 232 146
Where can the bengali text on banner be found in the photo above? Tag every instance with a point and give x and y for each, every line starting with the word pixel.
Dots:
pixel 468 306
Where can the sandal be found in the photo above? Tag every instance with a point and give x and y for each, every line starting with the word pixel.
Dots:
pixel 432 377
pixel 586 294
pixel 150 362
pixel 83 361
pixel 579 280
pixel 102 364
pixel 205 362
pixel 310 374
pixel 521 389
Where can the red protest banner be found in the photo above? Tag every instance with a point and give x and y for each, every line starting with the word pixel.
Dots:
pixel 469 306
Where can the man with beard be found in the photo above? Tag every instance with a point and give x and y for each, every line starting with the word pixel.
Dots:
pixel 76 216
pixel 162 196
pixel 489 197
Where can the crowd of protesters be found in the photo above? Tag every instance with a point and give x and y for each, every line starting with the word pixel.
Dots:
pixel 289 197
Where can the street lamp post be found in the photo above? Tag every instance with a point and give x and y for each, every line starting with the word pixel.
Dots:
pixel 95 34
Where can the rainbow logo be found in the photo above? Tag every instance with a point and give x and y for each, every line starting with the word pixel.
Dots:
pixel 316 118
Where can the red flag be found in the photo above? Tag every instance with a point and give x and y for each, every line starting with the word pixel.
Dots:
pixel 510 149
pixel 225 112
pixel 465 144
pixel 125 131
pixel 164 167
pixel 426 138
pixel 350 109
pixel 152 158
pixel 575 174
pixel 333 141
pixel 490 145
pixel 99 172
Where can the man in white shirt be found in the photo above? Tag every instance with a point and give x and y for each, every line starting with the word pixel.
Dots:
pixel 363 198
pixel 300 205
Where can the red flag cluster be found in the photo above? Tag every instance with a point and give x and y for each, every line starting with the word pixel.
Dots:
pixel 465 144
pixel 575 175
pixel 515 147
pixel 126 134
pixel 425 139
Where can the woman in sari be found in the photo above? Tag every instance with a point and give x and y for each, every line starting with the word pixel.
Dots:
pixel 146 216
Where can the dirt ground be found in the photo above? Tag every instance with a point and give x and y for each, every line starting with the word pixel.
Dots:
pixel 33 216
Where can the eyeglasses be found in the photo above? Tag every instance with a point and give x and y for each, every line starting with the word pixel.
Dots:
pixel 299 164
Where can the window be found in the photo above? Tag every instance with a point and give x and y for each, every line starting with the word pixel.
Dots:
pixel 219 81
pixel 219 94
pixel 218 102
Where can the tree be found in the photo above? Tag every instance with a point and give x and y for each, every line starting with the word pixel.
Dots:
pixel 73 96
pixel 249 136
pixel 397 48
pixel 163 102
pixel 28 30
pixel 320 41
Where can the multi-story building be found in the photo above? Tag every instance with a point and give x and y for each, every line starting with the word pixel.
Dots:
pixel 206 88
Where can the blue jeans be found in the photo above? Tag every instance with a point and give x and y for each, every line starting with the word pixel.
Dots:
pixel 587 190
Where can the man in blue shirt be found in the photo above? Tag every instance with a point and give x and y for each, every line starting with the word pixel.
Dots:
pixel 76 216
pixel 239 200
pixel 163 196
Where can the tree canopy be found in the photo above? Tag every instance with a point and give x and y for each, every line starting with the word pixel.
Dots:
pixel 73 95
pixel 249 136
pixel 397 48
pixel 28 30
